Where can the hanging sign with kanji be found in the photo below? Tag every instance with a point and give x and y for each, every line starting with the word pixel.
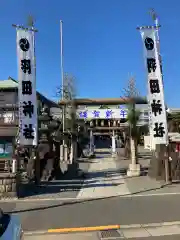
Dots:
pixel 27 88
pixel 157 110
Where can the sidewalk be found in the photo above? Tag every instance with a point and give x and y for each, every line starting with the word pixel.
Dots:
pixel 74 236
pixel 135 231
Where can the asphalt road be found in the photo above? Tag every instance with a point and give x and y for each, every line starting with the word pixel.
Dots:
pixel 41 215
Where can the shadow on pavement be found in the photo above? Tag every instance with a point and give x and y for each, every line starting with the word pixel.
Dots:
pixel 111 173
pixel 102 152
pixel 67 183
pixel 59 187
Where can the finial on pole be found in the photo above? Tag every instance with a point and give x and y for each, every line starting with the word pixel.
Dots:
pixel 30 24
pixel 153 14
pixel 30 21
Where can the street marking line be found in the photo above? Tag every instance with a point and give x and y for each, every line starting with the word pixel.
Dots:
pixel 84 229
pixel 132 195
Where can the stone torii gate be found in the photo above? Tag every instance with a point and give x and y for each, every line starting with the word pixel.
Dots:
pixel 104 120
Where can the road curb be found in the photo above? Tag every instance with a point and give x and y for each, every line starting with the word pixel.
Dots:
pixel 79 200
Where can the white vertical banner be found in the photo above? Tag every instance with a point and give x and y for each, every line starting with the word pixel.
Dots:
pixel 157 110
pixel 27 88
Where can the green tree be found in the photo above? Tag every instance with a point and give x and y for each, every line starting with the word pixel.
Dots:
pixel 174 122
pixel 134 131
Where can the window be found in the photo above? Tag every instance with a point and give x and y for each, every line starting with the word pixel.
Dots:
pixel 8 117
pixel 6 149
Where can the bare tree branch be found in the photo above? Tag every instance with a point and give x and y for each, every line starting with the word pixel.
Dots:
pixel 68 91
pixel 131 90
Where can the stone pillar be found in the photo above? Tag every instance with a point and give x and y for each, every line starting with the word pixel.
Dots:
pixel 71 154
pixel 63 158
pixel 134 168
pixel 113 144
pixel 91 145
pixel 96 123
pixel 91 123
pixel 9 185
pixel 109 123
pixel 114 123
pixel 102 123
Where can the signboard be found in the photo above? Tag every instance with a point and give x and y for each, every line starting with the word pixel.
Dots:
pixel 157 111
pixel 102 114
pixel 27 88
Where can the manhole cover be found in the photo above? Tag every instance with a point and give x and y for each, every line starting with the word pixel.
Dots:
pixel 109 234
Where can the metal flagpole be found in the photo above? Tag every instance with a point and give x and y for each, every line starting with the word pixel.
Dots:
pixel 34 152
pixel 62 79
pixel 156 22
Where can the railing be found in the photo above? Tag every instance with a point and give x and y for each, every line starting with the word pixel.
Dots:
pixel 8 120
pixel 8 117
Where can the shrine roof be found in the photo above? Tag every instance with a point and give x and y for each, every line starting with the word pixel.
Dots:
pixel 11 83
pixel 8 84
pixel 109 101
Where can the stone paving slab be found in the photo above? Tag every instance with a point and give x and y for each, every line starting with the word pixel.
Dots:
pixel 135 232
pixel 142 185
pixel 168 237
pixel 151 230
pixel 69 236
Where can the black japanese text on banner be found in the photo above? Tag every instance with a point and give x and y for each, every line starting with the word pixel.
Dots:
pixel 27 88
pixel 158 124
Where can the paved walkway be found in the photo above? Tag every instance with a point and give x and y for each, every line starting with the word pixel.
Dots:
pixel 107 177
pixel 103 180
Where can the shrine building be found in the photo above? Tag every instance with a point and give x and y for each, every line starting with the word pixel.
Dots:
pixel 108 117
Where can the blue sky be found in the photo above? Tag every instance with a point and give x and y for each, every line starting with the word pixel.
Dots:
pixel 102 47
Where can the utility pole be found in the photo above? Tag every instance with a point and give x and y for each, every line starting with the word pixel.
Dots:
pixel 62 76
